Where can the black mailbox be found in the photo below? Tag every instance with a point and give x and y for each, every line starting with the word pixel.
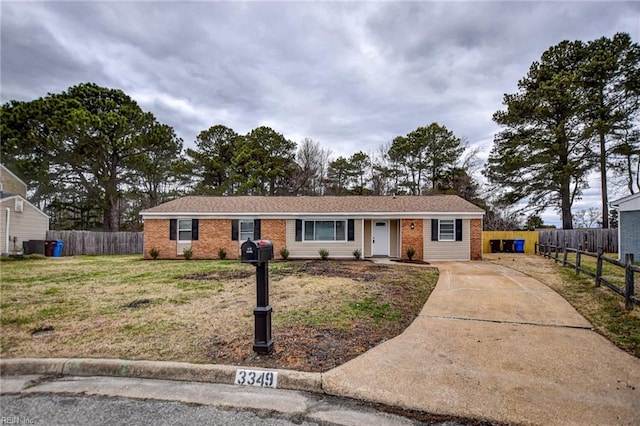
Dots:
pixel 259 251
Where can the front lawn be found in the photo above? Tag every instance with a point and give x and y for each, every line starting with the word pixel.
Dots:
pixel 324 312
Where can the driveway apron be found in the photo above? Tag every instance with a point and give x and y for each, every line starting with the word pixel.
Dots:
pixel 495 344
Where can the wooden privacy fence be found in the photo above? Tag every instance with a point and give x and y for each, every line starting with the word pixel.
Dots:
pixel 530 239
pixel 98 243
pixel 587 239
pixel 630 269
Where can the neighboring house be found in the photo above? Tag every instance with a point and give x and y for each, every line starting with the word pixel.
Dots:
pixel 19 219
pixel 438 227
pixel 628 225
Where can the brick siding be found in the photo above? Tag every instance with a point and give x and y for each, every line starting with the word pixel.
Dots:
pixel 156 235
pixel 274 230
pixel 213 235
pixel 412 237
pixel 476 239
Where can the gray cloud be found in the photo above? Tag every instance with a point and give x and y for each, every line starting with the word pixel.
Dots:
pixel 349 75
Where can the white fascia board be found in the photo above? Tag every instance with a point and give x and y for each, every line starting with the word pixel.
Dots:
pixel 624 199
pixel 359 215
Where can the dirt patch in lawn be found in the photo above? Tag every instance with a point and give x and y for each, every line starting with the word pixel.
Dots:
pixel 324 312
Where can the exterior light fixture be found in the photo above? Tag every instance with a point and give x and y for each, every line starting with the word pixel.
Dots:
pixel 413 225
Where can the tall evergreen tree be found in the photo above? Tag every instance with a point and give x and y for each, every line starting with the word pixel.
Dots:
pixel 542 155
pixel 610 76
pixel 83 144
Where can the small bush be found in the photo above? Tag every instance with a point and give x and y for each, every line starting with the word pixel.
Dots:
pixel 222 254
pixel 324 254
pixel 284 253
pixel 188 253
pixel 154 253
pixel 7 259
pixel 357 254
pixel 411 252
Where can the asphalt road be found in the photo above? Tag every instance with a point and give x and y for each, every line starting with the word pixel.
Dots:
pixel 26 400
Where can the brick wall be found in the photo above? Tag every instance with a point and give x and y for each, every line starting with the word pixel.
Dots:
pixel 412 237
pixel 476 239
pixel 274 230
pixel 156 235
pixel 213 234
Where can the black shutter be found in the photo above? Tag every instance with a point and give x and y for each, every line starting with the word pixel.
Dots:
pixel 173 229
pixel 351 230
pixel 298 229
pixel 256 229
pixel 194 229
pixel 458 229
pixel 235 223
pixel 434 230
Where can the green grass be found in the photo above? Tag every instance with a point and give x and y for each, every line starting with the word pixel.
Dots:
pixel 604 309
pixel 613 273
pixel 126 307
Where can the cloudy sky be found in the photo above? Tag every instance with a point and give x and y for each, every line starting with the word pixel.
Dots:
pixel 350 75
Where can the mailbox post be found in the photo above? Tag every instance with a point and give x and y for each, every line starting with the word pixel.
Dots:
pixel 259 253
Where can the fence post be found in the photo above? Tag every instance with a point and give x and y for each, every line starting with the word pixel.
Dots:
pixel 599 267
pixel 548 249
pixel 535 248
pixel 628 278
pixel 557 250
pixel 564 254
pixel 578 257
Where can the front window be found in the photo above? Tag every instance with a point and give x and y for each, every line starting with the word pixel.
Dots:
pixel 184 229
pixel 246 230
pixel 447 230
pixel 325 230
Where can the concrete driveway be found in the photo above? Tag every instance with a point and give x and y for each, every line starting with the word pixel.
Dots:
pixel 495 344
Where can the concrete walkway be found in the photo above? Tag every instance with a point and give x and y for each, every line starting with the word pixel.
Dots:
pixel 495 344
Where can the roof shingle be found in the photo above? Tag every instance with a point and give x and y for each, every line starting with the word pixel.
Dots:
pixel 308 204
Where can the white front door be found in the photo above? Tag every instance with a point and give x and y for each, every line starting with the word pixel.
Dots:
pixel 379 238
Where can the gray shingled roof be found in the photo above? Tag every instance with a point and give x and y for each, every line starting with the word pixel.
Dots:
pixel 322 205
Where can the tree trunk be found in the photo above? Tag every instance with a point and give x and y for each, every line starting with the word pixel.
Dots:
pixel 111 214
pixel 603 181
pixel 565 206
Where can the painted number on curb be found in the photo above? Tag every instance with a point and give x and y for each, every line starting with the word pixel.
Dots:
pixel 264 379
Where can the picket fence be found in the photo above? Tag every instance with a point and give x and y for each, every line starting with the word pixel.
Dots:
pixel 98 243
pixel 589 240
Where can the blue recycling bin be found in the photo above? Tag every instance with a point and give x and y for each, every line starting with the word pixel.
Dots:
pixel 57 249
pixel 519 246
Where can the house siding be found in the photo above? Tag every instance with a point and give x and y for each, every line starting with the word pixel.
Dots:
pixel 156 236
pixel 12 185
pixel 476 239
pixel 393 238
pixel 448 250
pixel 629 224
pixel 275 230
pixel 412 237
pixel 367 238
pixel 337 249
pixel 30 224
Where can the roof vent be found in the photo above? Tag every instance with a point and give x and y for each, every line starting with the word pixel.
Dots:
pixel 19 205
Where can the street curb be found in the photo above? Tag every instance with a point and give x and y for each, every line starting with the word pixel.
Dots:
pixel 160 370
